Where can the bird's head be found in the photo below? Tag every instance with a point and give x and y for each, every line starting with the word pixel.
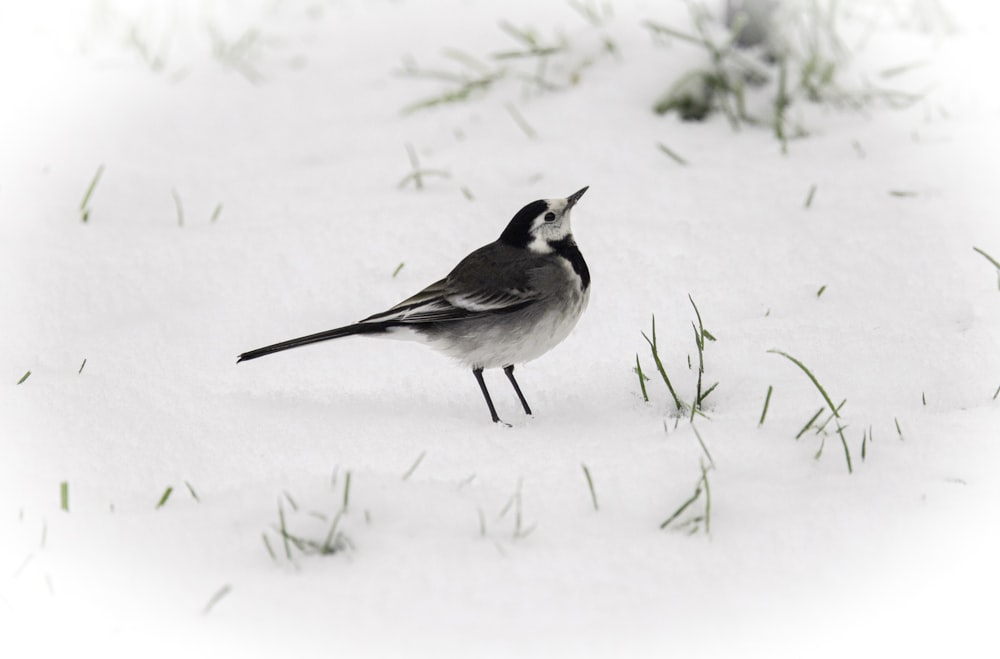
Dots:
pixel 541 223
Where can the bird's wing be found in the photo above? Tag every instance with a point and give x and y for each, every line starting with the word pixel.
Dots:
pixel 443 301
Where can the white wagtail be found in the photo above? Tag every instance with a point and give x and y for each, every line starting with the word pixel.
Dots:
pixel 506 303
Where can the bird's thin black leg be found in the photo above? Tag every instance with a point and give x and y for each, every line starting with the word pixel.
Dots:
pixel 478 372
pixel 509 370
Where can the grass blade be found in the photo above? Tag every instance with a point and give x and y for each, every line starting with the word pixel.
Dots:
pixel 166 495
pixel 222 592
pixel 809 423
pixel 673 154
pixel 409 472
pixel 590 484
pixel 180 208
pixel 84 205
pixel 659 366
pixel 64 496
pixel 27 374
pixel 643 378
pixel 767 401
pixel 809 197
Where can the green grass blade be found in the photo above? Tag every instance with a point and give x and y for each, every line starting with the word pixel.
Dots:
pixel 166 495
pixel 767 402
pixel 413 468
pixel 642 378
pixel 590 485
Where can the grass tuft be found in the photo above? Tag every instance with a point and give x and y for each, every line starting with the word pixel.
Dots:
pixel 64 496
pixel 701 488
pixel 398 268
pixel 27 374
pixel 417 173
pixel 833 408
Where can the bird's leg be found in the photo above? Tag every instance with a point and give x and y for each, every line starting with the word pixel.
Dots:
pixel 478 372
pixel 509 370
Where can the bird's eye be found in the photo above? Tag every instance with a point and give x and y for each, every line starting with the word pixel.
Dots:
pixel 550 216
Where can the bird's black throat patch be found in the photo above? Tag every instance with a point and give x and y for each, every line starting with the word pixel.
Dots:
pixel 567 249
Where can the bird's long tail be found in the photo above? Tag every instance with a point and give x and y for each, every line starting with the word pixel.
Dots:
pixel 349 330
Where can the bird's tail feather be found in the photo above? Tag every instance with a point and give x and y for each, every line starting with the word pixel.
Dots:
pixel 349 330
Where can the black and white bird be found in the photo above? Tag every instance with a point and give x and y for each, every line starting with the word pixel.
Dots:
pixel 506 303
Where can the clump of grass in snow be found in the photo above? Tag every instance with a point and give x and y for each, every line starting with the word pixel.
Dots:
pixel 27 374
pixel 238 54
pixel 541 64
pixel 417 173
pixel 799 56
pixel 85 204
pixel 704 520
pixel 332 541
pixel 835 410
pixel 701 335
pixel 64 496
pixel 520 531
pixel 398 268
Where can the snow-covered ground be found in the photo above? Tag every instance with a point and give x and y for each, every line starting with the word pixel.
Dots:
pixel 461 538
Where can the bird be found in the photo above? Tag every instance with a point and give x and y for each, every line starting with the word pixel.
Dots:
pixel 506 303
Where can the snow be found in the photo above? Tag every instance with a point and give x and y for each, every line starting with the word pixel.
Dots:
pixel 304 147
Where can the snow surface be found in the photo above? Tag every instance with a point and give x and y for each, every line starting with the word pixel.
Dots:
pixel 301 138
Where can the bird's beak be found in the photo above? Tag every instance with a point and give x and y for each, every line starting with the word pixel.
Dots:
pixel 575 197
